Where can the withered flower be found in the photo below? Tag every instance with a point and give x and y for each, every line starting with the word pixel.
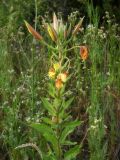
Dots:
pixel 58 83
pixel 83 52
pixel 63 76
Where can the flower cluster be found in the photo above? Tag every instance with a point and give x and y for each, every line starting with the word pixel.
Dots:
pixel 57 75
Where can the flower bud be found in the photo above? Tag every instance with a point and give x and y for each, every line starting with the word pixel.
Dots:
pixel 56 66
pixel 52 33
pixel 33 32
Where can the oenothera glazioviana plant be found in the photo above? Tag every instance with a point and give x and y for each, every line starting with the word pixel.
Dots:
pixel 58 124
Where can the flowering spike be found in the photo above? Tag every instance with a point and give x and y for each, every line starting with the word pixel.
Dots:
pixel 32 31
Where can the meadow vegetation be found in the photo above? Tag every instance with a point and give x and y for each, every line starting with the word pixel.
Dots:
pixel 59 82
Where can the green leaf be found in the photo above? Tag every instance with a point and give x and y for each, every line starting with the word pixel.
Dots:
pixel 64 134
pixel 47 132
pixel 51 90
pixel 62 90
pixel 68 102
pixel 52 138
pixel 69 143
pixel 47 120
pixel 56 102
pixel 69 128
pixel 65 105
pixel 72 124
pixel 48 106
pixel 72 153
pixel 49 156
pixel 42 128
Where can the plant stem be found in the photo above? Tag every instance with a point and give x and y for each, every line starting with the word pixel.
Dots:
pixel 58 129
pixel 73 48
pixel 35 14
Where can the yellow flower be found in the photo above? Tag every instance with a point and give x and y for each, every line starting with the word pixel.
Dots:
pixel 51 73
pixel 56 66
pixel 58 83
pixel 63 76
pixel 84 52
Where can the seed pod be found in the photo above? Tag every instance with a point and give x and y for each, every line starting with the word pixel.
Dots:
pixel 32 31
pixel 55 22
pixel 52 33
pixel 77 27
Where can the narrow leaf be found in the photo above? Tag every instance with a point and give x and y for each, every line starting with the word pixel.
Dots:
pixel 69 128
pixel 48 106
pixel 42 128
pixel 68 102
pixel 47 120
pixel 47 132
pixel 65 105
pixel 69 143
pixel 72 153
pixel 72 124
pixel 51 90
